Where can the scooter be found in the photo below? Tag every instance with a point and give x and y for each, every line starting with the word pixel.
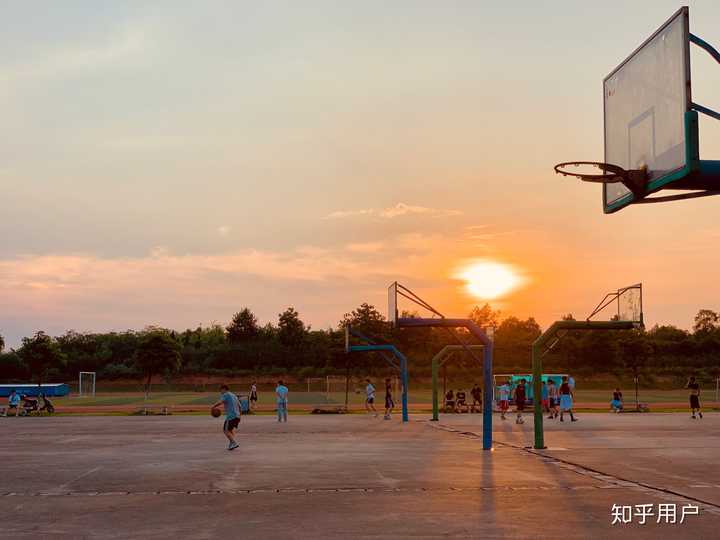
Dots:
pixel 28 405
pixel 47 405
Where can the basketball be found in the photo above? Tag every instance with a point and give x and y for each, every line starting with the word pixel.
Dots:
pixel 215 412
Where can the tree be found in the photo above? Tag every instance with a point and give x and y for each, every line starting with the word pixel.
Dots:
pixel 157 352
pixel 485 316
pixel 291 330
pixel 244 326
pixel 366 319
pixel 2 344
pixel 706 321
pixel 41 353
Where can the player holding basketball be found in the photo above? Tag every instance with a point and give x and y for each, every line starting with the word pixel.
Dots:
pixel 694 388
pixel 232 414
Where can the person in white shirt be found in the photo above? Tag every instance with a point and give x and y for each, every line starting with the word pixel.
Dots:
pixel 504 395
pixel 370 398
pixel 553 399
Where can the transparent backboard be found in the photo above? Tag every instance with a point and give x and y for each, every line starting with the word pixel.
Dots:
pixel 629 304
pixel 625 304
pixel 392 314
pixel 645 101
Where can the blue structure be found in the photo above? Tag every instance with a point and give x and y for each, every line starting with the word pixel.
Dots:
pixel 50 390
pixel 476 331
pixel 372 347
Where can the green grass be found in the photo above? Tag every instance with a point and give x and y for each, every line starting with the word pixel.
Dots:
pixel 421 398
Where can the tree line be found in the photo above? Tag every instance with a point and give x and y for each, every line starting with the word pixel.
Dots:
pixel 291 347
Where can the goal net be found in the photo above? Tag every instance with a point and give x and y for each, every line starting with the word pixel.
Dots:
pixel 86 384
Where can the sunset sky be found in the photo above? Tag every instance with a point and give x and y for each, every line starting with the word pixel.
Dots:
pixel 171 162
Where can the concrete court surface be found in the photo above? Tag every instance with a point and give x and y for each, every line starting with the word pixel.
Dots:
pixel 352 477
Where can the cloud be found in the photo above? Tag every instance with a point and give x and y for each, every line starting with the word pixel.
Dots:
pixel 340 214
pixel 365 247
pixel 224 230
pixel 391 212
pixel 126 43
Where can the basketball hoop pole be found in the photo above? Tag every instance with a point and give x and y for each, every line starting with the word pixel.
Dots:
pixel 487 343
pixel 538 351
pixel 383 349
pixel 437 362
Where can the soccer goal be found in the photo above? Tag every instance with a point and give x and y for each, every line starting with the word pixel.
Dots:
pixel 86 384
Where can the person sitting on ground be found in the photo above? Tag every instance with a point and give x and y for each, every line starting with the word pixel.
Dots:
pixel 476 394
pixel 694 388
pixel 14 402
pixel 617 401
pixel 460 401
pixel 450 401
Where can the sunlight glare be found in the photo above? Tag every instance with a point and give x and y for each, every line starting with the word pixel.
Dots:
pixel 488 280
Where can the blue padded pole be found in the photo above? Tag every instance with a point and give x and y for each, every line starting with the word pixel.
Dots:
pixel 476 331
pixel 403 369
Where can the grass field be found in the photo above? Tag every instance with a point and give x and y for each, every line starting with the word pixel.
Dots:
pixel 419 400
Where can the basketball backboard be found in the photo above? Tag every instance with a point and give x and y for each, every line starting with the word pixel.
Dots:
pixel 646 99
pixel 624 305
pixel 651 122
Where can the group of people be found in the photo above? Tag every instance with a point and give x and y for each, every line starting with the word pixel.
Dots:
pixel 23 404
pixel 230 403
pixel 370 399
pixel 555 401
pixel 457 401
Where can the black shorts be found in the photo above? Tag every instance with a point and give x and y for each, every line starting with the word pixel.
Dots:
pixel 253 398
pixel 389 403
pixel 229 425
pixel 694 402
pixel 370 400
pixel 552 402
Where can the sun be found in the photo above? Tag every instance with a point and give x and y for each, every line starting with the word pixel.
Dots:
pixel 488 280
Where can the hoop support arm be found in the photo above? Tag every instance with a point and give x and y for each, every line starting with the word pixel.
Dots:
pixel 537 347
pixel 712 51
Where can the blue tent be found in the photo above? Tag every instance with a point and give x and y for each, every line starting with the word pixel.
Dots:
pixel 50 390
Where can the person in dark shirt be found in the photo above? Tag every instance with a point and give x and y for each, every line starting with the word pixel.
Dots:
pixel 476 394
pixel 450 401
pixel 460 401
pixel 694 388
pixel 566 400
pixel 389 403
pixel 520 396
pixel 617 401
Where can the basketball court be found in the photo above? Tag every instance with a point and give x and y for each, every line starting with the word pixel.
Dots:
pixel 162 477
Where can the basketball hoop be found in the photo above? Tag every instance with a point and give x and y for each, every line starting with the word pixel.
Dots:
pixel 633 179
